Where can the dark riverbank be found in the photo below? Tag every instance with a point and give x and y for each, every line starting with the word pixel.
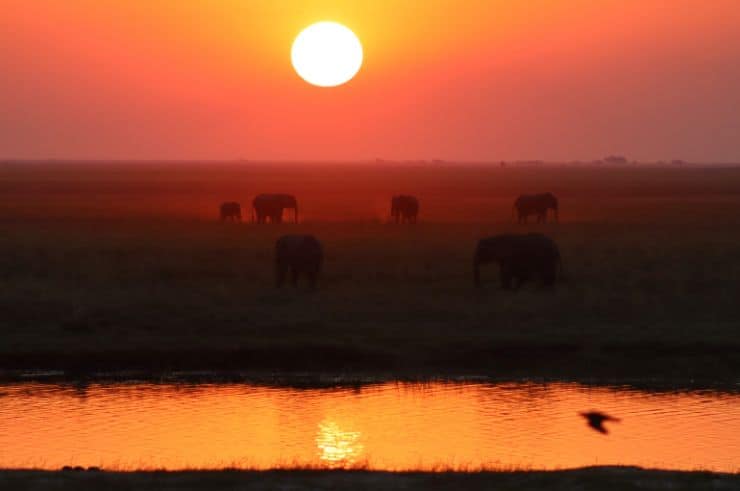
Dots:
pixel 596 478
pixel 690 364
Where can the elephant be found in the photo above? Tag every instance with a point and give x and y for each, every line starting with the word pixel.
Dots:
pixel 231 210
pixel 404 208
pixel 536 204
pixel 520 257
pixel 299 254
pixel 272 205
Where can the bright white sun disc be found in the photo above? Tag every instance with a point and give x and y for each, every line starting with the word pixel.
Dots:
pixel 326 54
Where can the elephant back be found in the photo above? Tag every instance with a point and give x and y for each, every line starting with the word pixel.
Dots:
pixel 536 201
pixel 297 247
pixel 405 203
pixel 230 208
pixel 272 199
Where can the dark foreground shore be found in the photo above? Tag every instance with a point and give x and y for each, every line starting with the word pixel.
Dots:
pixel 596 478
pixel 694 364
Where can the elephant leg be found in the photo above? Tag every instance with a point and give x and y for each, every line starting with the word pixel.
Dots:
pixel 549 273
pixel 506 281
pixel 294 273
pixel 506 276
pixel 280 273
pixel 312 279
pixel 517 281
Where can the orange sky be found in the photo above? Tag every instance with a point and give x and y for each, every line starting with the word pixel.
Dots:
pixel 451 79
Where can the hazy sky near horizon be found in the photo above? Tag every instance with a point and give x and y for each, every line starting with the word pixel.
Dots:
pixel 449 79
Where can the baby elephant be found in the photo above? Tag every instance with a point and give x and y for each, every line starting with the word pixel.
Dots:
pixel 299 254
pixel 520 257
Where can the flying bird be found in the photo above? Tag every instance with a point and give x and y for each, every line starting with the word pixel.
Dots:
pixel 596 420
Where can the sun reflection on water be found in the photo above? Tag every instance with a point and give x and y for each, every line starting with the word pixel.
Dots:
pixel 338 447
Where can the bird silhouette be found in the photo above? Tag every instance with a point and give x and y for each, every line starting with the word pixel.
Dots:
pixel 596 420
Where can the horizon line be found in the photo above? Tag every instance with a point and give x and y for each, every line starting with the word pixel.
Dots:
pixel 521 162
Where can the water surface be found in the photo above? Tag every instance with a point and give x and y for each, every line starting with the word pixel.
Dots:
pixel 392 426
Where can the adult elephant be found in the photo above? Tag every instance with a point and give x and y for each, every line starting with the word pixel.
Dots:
pixel 404 208
pixel 536 204
pixel 520 258
pixel 299 255
pixel 231 210
pixel 271 206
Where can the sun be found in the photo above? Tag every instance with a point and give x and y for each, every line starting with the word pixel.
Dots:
pixel 327 54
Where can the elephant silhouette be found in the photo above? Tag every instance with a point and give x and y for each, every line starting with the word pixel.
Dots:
pixel 520 258
pixel 271 206
pixel 536 204
pixel 300 255
pixel 231 210
pixel 404 208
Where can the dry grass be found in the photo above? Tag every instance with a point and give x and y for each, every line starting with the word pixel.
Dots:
pixel 126 268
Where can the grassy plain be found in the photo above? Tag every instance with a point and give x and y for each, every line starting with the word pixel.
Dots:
pixel 124 266
pixel 597 478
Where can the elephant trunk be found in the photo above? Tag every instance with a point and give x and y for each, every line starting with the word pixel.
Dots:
pixel 557 214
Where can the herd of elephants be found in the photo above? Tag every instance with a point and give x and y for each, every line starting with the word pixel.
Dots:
pixel 520 257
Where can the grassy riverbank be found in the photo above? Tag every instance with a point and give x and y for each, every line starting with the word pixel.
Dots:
pixel 652 265
pixel 597 478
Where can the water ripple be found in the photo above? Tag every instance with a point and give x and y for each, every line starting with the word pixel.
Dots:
pixel 393 426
